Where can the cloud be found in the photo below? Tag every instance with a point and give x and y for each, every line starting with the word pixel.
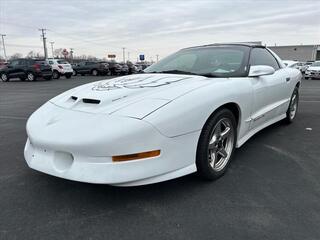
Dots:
pixel 99 27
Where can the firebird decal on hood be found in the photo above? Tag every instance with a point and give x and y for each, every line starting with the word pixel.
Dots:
pixel 134 82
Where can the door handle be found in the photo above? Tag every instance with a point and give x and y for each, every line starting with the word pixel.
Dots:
pixel 288 79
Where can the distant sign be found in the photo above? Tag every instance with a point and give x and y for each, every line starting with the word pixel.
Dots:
pixel 111 56
pixel 141 57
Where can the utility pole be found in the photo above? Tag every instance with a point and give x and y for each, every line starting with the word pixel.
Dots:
pixel 128 56
pixel 52 49
pixel 71 54
pixel 123 54
pixel 4 47
pixel 157 57
pixel 43 35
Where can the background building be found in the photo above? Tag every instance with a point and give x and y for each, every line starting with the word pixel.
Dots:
pixel 298 52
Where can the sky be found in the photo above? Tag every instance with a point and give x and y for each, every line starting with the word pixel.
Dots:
pixel 154 27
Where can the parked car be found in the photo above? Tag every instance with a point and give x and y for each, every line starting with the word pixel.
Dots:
pixel 302 66
pixel 132 68
pixel 313 71
pixel 90 67
pixel 185 114
pixel 124 69
pixel 24 68
pixel 115 68
pixel 60 67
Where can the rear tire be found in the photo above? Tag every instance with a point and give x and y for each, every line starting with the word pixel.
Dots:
pixel 74 73
pixel 216 145
pixel 4 77
pixel 293 106
pixel 94 72
pixel 31 77
pixel 56 74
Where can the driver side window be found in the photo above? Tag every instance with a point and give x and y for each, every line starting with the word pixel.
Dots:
pixel 261 56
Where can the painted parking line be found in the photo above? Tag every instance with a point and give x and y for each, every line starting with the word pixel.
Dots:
pixel 13 117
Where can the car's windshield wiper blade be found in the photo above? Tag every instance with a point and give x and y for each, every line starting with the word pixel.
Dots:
pixel 174 71
pixel 208 75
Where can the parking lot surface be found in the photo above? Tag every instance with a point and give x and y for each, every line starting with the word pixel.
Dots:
pixel 271 190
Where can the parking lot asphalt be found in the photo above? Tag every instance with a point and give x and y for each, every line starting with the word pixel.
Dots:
pixel 271 190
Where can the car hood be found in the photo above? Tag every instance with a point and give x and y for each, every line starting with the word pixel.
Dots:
pixel 109 96
pixel 313 68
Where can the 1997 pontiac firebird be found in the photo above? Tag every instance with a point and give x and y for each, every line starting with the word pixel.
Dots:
pixel 184 114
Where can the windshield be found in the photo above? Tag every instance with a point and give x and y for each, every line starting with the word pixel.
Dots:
pixel 213 61
pixel 315 64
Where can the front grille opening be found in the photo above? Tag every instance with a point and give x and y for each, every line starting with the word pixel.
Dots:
pixel 74 98
pixel 92 101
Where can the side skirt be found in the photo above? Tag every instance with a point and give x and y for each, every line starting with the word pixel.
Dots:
pixel 246 137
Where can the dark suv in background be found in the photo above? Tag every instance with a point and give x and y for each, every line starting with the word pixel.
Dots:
pixel 90 67
pixel 29 69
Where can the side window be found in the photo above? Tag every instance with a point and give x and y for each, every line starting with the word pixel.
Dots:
pixel 14 63
pixel 51 62
pixel 261 56
pixel 22 62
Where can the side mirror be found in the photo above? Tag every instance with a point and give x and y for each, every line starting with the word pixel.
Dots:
pixel 260 70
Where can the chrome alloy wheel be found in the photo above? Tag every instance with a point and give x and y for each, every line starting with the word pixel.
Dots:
pixel 221 144
pixel 293 106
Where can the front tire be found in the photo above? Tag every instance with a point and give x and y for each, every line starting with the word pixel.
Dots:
pixel 293 106
pixel 216 145
pixel 4 77
pixel 74 73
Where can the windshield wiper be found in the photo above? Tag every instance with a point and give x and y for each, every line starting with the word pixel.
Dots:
pixel 174 71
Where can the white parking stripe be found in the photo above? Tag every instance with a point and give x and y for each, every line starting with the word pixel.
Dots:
pixel 13 117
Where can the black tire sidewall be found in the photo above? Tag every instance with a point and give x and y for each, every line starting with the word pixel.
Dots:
pixel 2 79
pixel 34 77
pixel 288 118
pixel 56 74
pixel 202 163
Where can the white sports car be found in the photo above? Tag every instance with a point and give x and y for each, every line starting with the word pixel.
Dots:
pixel 184 114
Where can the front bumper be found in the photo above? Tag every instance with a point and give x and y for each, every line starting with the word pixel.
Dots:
pixel 79 146
pixel 312 74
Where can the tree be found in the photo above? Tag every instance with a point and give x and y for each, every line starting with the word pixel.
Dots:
pixel 15 56
pixel 31 54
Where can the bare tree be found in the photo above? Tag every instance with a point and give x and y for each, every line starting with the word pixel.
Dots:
pixel 15 56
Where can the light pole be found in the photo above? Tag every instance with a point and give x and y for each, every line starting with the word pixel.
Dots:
pixel 4 47
pixel 157 57
pixel 123 55
pixel 52 49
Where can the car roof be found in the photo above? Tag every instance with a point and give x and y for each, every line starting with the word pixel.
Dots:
pixel 252 45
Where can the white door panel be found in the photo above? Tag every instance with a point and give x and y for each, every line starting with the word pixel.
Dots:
pixel 270 97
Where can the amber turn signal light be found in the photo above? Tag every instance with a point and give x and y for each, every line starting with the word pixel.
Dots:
pixel 136 156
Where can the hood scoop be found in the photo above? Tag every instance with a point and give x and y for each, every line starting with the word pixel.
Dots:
pixel 91 101
pixel 86 100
